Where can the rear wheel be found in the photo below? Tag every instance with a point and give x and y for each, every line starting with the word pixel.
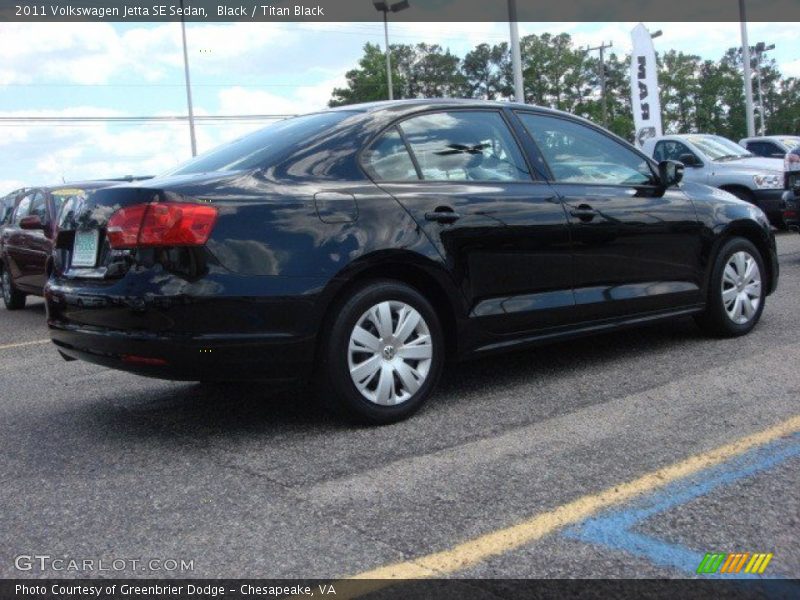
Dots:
pixel 12 297
pixel 737 290
pixel 384 354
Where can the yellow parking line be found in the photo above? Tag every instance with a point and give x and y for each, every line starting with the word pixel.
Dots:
pixel 21 344
pixel 469 553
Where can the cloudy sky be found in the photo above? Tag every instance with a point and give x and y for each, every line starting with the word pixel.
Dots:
pixel 104 69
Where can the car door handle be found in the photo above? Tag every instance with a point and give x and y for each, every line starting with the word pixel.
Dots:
pixel 443 215
pixel 584 212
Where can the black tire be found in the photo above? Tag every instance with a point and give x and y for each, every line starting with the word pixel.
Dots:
pixel 715 320
pixel 12 297
pixel 338 389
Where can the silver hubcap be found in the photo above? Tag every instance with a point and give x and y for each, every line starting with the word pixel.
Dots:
pixel 741 287
pixel 390 353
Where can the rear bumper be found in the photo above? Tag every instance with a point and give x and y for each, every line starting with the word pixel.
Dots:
pixel 275 358
pixel 270 337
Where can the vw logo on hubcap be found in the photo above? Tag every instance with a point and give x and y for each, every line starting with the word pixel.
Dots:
pixel 389 352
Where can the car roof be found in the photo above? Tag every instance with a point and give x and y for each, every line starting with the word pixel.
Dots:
pixel 415 104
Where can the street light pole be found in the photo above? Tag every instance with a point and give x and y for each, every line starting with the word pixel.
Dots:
pixel 516 54
pixel 388 55
pixel 602 47
pixel 748 82
pixel 760 48
pixel 188 85
pixel 385 7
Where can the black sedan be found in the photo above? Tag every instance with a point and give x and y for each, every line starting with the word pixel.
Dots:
pixel 361 247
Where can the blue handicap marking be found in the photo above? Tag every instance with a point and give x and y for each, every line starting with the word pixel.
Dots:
pixel 615 529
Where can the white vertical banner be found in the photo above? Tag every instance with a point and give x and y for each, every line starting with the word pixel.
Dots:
pixel 644 86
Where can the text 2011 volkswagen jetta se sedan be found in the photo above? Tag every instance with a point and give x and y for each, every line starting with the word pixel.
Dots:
pixel 360 247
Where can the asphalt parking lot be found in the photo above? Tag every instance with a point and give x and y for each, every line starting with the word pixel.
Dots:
pixel 627 455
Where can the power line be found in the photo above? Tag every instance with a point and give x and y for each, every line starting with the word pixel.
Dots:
pixel 140 119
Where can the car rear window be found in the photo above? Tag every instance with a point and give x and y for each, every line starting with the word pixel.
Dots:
pixel 264 146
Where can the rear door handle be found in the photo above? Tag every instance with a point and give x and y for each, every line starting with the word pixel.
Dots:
pixel 584 212
pixel 443 215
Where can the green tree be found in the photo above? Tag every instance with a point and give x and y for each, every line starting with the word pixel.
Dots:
pixel 678 76
pixel 696 95
pixel 367 82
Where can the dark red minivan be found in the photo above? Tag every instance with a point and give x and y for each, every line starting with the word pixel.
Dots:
pixel 28 235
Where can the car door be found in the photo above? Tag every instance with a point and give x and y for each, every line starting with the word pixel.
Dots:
pixel 30 247
pixel 15 247
pixel 637 246
pixel 501 231
pixel 40 241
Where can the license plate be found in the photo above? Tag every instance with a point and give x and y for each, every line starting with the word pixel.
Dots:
pixel 84 252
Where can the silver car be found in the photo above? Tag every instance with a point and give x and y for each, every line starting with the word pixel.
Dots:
pixel 719 162
pixel 772 146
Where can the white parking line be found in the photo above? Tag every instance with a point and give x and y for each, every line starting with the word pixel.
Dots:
pixel 22 344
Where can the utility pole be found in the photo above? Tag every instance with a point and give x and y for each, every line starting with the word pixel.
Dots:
pixel 386 8
pixel 748 81
pixel 602 47
pixel 516 54
pixel 188 85
pixel 759 49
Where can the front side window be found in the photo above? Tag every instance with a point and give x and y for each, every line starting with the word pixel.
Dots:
pixel 388 159
pixel 465 146
pixel 670 150
pixel 577 153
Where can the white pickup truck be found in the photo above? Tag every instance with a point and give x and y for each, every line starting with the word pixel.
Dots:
pixel 722 163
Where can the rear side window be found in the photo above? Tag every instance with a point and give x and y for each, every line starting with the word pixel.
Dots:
pixel 264 147
pixel 577 153
pixel 387 159
pixel 465 146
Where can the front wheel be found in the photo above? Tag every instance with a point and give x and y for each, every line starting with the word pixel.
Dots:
pixel 12 297
pixel 385 353
pixel 736 292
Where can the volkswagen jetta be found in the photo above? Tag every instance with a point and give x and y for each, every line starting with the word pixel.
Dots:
pixel 361 247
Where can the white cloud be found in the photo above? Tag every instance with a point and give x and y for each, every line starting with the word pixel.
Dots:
pixel 791 69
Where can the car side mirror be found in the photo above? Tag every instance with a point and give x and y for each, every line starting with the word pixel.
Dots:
pixel 690 160
pixel 31 222
pixel 670 172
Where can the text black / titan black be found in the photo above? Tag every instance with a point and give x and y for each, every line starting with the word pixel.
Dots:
pixel 374 241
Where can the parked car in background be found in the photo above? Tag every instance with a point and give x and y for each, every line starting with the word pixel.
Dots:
pixel 791 211
pixel 772 146
pixel 721 163
pixel 26 240
pixel 359 247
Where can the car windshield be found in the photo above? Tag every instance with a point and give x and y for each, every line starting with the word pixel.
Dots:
pixel 789 142
pixel 718 148
pixel 265 145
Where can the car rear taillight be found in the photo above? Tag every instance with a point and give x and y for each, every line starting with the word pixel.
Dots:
pixel 161 224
